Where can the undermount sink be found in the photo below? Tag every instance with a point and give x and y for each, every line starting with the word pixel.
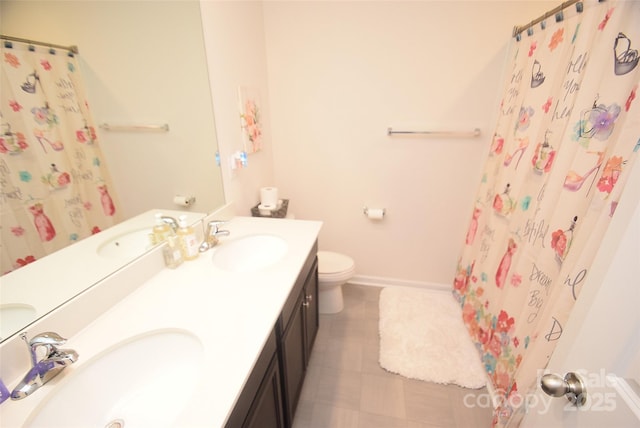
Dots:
pixel 126 385
pixel 127 245
pixel 15 316
pixel 249 253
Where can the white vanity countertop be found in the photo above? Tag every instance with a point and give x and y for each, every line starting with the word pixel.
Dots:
pixel 52 280
pixel 232 314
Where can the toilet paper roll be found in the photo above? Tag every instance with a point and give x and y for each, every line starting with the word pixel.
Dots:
pixel 269 196
pixel 375 213
pixel 183 201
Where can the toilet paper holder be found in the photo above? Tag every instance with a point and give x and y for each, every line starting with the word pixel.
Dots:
pixel 374 212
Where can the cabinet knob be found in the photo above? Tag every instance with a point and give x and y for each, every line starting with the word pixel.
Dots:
pixel 305 303
pixel 309 297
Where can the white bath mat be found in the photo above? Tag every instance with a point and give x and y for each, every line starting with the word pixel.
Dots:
pixel 422 336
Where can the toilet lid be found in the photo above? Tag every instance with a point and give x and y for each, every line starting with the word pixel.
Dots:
pixel 330 262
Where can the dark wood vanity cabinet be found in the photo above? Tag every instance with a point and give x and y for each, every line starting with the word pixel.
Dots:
pixel 267 409
pixel 297 329
pixel 260 403
pixel 272 391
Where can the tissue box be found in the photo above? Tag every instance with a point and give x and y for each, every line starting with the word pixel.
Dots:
pixel 280 212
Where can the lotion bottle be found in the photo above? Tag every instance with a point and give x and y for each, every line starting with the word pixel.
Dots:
pixel 161 230
pixel 188 239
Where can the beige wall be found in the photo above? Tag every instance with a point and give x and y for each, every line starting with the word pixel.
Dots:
pixel 339 74
pixel 236 56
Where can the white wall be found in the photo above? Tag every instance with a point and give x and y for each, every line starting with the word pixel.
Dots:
pixel 234 39
pixel 339 74
pixel 143 63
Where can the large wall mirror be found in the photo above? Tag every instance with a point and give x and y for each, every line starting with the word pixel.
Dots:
pixel 143 62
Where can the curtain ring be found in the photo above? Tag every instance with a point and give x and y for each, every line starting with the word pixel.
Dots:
pixel 579 7
pixel 559 16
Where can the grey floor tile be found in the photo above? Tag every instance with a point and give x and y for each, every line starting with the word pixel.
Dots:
pixel 429 403
pixel 471 407
pixel 383 395
pixel 353 308
pixel 327 416
pixel 339 388
pixel 371 360
pixel 304 414
pixel 368 420
pixel 311 382
pixel 350 329
pixel 345 386
pixel 418 424
pixel 343 355
pixel 371 310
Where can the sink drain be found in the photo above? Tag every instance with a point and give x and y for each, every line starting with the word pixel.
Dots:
pixel 116 423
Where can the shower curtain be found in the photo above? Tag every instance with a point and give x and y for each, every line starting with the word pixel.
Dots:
pixel 55 188
pixel 567 134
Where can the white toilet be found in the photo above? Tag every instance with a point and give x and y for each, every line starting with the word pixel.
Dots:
pixel 334 269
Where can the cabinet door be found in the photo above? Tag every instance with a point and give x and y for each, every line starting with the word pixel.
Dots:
pixel 266 411
pixel 311 310
pixel 260 402
pixel 293 358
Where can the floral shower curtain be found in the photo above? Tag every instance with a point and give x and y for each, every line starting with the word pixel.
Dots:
pixel 567 135
pixel 55 188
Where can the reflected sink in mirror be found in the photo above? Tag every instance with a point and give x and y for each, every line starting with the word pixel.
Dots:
pixel 127 246
pixel 126 385
pixel 14 317
pixel 249 253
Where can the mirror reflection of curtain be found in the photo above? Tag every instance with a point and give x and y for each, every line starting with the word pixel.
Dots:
pixel 55 188
pixel 567 135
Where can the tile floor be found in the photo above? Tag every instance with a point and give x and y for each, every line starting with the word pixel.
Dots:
pixel 345 387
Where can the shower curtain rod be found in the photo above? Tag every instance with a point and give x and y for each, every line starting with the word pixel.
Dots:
pixel 72 48
pixel 519 29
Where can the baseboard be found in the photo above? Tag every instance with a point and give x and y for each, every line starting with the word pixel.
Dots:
pixel 379 281
pixel 625 389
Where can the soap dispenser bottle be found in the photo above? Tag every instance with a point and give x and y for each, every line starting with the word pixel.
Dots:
pixel 161 230
pixel 188 239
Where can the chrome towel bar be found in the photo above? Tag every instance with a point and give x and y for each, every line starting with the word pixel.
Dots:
pixel 158 128
pixel 474 133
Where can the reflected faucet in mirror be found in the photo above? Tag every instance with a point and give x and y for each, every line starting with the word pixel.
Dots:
pixel 170 221
pixel 45 369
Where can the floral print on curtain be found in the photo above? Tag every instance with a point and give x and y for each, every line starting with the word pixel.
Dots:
pixel 567 135
pixel 55 188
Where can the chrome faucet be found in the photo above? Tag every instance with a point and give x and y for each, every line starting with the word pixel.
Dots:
pixel 42 371
pixel 211 235
pixel 171 222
